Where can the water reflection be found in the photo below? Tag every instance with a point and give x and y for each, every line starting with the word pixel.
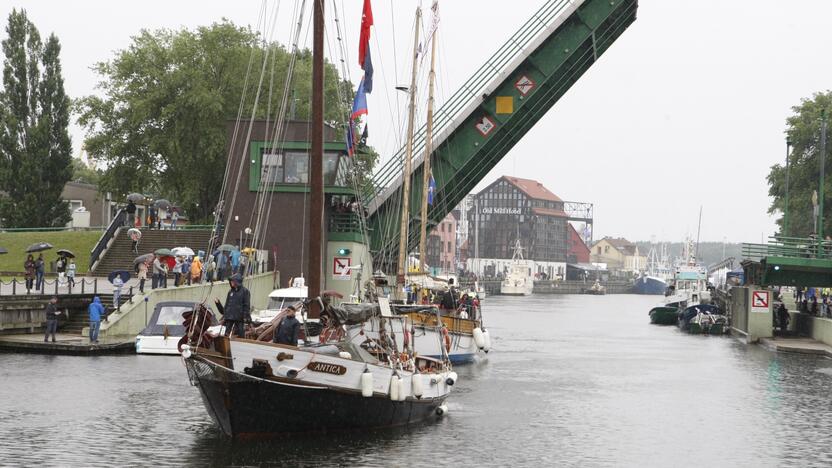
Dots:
pixel 573 380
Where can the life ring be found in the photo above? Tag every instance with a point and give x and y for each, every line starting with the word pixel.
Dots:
pixel 447 338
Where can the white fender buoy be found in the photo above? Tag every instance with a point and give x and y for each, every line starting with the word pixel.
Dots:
pixel 402 390
pixel 435 380
pixel 287 371
pixel 418 391
pixel 441 409
pixel 186 353
pixel 394 388
pixel 345 355
pixel 479 340
pixel 486 341
pixel 366 384
pixel 451 379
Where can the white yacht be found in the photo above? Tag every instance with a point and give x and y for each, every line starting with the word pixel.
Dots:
pixel 519 280
pixel 164 329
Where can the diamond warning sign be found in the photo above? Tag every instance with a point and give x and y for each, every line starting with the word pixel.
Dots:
pixel 760 300
pixel 525 85
pixel 485 125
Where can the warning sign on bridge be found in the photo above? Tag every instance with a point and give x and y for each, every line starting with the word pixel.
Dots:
pixel 525 85
pixel 341 268
pixel 485 125
pixel 760 301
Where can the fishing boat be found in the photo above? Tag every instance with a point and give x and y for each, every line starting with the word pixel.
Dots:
pixel 689 286
pixel 360 381
pixel 460 338
pixel 359 375
pixel 703 319
pixel 519 280
pixel 664 315
pixel 654 280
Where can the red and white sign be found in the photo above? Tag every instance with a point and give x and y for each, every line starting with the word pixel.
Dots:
pixel 760 300
pixel 341 267
pixel 485 126
pixel 525 85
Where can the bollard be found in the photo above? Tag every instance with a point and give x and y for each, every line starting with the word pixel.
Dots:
pixel 83 281
pixel 95 287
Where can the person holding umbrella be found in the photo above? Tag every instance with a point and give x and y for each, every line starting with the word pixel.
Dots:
pixel 135 235
pixel 117 284
pixel 70 273
pixel 29 268
pixel 131 213
pixel 158 273
pixel 39 271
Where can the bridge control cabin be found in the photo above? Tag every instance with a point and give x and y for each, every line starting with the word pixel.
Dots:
pixel 281 172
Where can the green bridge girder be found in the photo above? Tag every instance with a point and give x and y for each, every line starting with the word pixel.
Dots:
pixel 553 49
pixel 788 261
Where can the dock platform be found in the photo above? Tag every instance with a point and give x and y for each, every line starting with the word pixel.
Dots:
pixel 66 344
pixel 797 345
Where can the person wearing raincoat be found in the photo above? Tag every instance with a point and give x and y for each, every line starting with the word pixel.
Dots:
pixel 96 310
pixel 196 270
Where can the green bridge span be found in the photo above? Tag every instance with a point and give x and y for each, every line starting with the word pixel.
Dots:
pixel 493 110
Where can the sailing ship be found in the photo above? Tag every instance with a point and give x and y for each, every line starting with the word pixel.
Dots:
pixel 359 375
pixel 519 280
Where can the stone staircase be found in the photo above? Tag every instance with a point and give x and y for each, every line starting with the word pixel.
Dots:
pixel 120 255
pixel 80 318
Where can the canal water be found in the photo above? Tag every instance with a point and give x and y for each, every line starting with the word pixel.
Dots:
pixel 572 380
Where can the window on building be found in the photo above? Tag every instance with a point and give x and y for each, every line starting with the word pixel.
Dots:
pixel 297 168
pixel 449 247
pixel 330 168
pixel 606 249
pixel 271 168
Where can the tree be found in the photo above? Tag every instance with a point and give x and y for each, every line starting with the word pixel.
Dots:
pixel 84 173
pixel 161 124
pixel 803 130
pixel 34 141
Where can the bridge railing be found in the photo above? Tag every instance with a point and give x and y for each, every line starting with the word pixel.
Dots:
pixel 459 104
pixel 793 247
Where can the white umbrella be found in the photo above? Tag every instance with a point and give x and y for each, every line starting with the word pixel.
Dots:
pixel 183 252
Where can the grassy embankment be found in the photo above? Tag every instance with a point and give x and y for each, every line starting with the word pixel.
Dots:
pixel 79 242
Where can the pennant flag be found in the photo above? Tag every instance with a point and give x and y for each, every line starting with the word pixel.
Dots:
pixel 364 38
pixel 364 135
pixel 368 72
pixel 359 104
pixel 431 189
pixel 350 139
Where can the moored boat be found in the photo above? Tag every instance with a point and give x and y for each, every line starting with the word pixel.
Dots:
pixel 664 315
pixel 164 329
pixel 519 280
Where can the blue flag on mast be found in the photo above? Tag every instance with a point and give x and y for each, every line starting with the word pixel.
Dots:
pixel 431 189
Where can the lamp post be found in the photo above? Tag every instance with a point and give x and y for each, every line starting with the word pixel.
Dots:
pixel 822 172
pixel 786 210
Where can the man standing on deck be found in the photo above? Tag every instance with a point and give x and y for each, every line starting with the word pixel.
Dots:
pixel 237 310
pixel 288 330
pixel 52 313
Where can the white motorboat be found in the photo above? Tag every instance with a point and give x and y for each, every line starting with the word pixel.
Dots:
pixel 519 280
pixel 164 329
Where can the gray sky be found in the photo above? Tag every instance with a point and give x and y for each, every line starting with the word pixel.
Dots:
pixel 686 109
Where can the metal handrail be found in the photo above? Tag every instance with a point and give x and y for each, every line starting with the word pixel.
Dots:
pixel 475 86
pixel 106 236
pixel 795 247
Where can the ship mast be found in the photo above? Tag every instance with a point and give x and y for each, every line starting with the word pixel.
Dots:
pixel 316 157
pixel 423 232
pixel 402 266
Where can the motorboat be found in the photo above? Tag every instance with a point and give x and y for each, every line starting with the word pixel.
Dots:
pixel 596 289
pixel 519 280
pixel 164 328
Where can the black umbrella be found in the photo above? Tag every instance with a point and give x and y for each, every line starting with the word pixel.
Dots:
pixel 66 253
pixel 162 203
pixel 39 247
pixel 124 274
pixel 136 197
pixel 3 251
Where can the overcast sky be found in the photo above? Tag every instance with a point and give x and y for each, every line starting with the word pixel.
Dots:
pixel 686 109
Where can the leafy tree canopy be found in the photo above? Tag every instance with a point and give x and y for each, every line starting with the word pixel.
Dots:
pixel 160 123
pixel 803 131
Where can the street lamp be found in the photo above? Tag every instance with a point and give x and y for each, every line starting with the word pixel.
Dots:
pixel 822 172
pixel 786 210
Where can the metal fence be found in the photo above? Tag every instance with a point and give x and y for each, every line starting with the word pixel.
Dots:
pixel 793 247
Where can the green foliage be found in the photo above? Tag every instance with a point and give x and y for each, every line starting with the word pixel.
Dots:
pixel 161 124
pixel 34 143
pixel 84 173
pixel 804 164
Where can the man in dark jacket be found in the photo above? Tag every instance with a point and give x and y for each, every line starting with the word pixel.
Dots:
pixel 52 313
pixel 237 310
pixel 289 329
pixel 130 220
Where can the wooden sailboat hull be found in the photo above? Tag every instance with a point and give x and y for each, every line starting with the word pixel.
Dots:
pixel 246 406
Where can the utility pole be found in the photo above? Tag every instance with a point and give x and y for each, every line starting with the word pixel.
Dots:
pixel 316 159
pixel 786 209
pixel 822 173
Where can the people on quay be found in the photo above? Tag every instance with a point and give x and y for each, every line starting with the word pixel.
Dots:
pixel 52 314
pixel 288 330
pixel 142 275
pixel 158 273
pixel 221 261
pixel 70 272
pixel 235 260
pixel 131 213
pixel 186 271
pixel 237 309
pixel 117 285
pixel 152 217
pixel 196 270
pixel 134 241
pixel 60 268
pixel 40 267
pixel 177 271
pixel 211 269
pixel 174 217
pixel 96 311
pixel 783 317
pixel 29 269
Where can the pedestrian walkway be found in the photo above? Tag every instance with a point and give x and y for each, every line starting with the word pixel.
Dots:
pixel 797 345
pixel 83 285
pixel 66 344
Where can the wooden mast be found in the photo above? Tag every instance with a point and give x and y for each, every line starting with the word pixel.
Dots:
pixel 316 157
pixel 402 265
pixel 423 231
